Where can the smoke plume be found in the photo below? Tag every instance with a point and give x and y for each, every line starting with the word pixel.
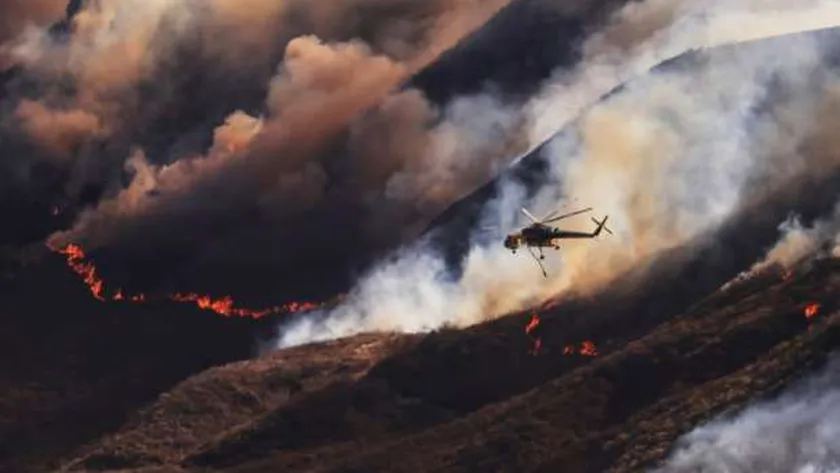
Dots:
pixel 668 157
pixel 796 432
pixel 644 34
pixel 18 16
pixel 230 134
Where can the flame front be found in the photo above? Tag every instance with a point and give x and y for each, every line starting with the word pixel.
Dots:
pixel 812 310
pixel 76 260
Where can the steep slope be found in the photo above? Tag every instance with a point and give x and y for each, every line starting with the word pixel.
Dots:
pixel 225 400
pixel 76 367
pixel 635 399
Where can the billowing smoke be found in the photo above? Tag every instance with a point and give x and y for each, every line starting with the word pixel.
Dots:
pixel 668 157
pixel 18 16
pixel 644 34
pixel 263 133
pixel 795 433
pixel 801 243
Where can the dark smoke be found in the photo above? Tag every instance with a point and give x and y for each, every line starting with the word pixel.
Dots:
pixel 324 185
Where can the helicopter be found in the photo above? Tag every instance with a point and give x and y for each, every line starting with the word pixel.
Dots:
pixel 540 235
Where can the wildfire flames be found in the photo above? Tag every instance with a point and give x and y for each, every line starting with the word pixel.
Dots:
pixel 223 306
pixel 532 325
pixel 586 348
pixel 811 310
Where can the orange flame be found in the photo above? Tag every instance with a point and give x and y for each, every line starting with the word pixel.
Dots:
pixel 223 306
pixel 76 260
pixel 533 323
pixel 811 310
pixel 530 327
pixel 586 348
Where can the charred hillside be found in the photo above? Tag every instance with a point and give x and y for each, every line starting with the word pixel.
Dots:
pixel 633 399
pixel 77 367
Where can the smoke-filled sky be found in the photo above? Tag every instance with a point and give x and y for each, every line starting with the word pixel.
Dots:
pixel 669 157
pixel 795 433
pixel 20 14
pixel 208 137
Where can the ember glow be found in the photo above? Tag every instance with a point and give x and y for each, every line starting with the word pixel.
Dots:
pixel 76 260
pixel 811 310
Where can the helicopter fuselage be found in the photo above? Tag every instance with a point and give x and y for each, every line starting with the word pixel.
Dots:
pixel 538 235
pixel 534 236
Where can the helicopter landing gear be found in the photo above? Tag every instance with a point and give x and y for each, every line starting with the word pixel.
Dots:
pixel 538 260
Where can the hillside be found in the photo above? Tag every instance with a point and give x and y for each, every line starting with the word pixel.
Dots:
pixel 634 398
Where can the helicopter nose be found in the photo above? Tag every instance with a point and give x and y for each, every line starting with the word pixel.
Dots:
pixel 510 243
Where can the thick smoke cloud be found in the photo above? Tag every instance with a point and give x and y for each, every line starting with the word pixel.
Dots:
pixel 668 157
pixel 795 433
pixel 644 34
pixel 126 62
pixel 18 15
pixel 58 132
pixel 319 89
pixel 247 129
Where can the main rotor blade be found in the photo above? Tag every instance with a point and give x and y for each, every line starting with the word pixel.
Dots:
pixel 571 214
pixel 548 215
pixel 528 214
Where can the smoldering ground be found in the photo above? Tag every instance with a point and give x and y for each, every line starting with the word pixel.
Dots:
pixel 670 157
pixel 795 432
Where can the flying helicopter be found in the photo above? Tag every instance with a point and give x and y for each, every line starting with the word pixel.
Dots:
pixel 540 235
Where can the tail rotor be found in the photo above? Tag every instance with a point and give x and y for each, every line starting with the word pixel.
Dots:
pixel 602 225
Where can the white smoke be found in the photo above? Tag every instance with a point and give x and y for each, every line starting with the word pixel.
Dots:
pixel 796 433
pixel 666 158
pixel 644 34
pixel 800 244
